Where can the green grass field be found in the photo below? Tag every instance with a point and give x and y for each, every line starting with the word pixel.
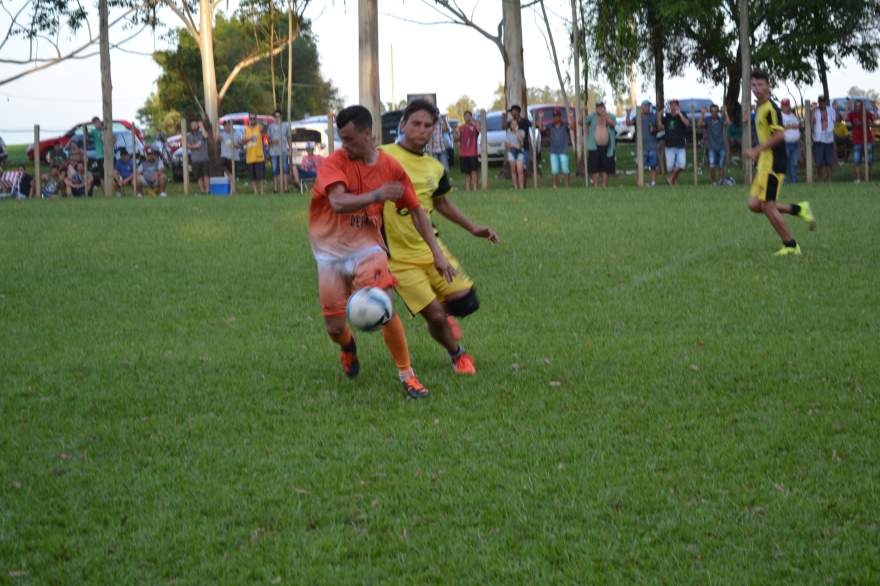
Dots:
pixel 659 400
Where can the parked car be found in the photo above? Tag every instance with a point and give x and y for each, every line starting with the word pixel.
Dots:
pixel 495 134
pixel 123 139
pixel 119 126
pixel 312 130
pixel 391 125
pixel 625 126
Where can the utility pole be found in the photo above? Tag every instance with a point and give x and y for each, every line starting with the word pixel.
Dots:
pixel 746 58
pixel 368 80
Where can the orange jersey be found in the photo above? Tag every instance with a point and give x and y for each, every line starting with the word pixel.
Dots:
pixel 336 235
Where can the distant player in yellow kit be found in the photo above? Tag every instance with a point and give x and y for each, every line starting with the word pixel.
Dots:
pixel 771 157
pixel 423 289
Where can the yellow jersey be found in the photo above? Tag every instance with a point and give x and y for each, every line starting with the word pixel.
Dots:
pixel 768 119
pixel 430 180
pixel 253 141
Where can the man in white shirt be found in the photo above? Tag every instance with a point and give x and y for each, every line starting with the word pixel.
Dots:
pixel 823 137
pixel 792 125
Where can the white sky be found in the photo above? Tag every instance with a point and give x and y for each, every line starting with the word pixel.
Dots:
pixel 448 60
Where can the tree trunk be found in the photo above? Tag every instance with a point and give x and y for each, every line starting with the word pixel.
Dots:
pixel 734 84
pixel 289 58
pixel 746 58
pixel 272 58
pixel 209 82
pixel 106 97
pixel 368 79
pixel 823 72
pixel 659 66
pixel 562 89
pixel 515 89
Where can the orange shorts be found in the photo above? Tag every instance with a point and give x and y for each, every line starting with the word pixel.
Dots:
pixel 338 279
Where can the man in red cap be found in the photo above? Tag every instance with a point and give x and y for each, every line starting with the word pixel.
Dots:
pixel 792 125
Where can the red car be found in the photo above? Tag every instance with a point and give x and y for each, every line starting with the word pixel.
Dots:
pixel 119 126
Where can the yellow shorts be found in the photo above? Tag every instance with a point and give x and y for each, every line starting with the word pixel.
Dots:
pixel 418 284
pixel 767 185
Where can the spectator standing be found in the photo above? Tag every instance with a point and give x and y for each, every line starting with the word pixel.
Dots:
pixel 600 144
pixel 96 138
pixel 675 123
pixel 197 140
pixel 558 133
pixel 437 144
pixel 151 173
pixel 514 138
pixel 823 137
pixel 279 133
pixel 254 155
pixel 4 152
pixel 854 122
pixel 716 144
pixel 650 144
pixel 467 134
pixel 792 125
pixel 229 143
pixel 525 126
pixel 123 172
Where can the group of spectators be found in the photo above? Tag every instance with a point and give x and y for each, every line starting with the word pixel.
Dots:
pixel 834 132
pixel 252 139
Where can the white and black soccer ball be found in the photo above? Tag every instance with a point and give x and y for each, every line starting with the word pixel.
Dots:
pixel 369 309
pixel 727 181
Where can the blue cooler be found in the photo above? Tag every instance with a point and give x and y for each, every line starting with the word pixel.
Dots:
pixel 219 186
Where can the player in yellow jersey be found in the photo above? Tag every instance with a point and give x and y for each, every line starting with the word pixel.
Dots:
pixel 770 173
pixel 423 289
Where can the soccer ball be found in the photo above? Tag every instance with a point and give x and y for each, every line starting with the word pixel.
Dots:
pixel 369 309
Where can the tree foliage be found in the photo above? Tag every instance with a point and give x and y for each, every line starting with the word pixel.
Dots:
pixel 179 83
pixel 457 109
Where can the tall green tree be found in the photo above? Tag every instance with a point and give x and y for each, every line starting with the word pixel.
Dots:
pixel 252 89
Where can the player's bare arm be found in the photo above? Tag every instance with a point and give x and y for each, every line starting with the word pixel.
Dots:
pixel 775 140
pixel 451 212
pixel 426 231
pixel 343 202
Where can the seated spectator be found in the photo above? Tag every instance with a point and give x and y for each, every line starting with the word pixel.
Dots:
pixel 57 156
pixel 25 185
pixel 151 173
pixel 76 182
pixel 52 183
pixel 4 153
pixel 9 181
pixel 308 165
pixel 123 172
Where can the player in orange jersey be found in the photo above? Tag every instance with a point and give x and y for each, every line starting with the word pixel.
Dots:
pixel 345 221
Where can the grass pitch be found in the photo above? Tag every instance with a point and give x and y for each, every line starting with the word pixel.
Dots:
pixel 658 399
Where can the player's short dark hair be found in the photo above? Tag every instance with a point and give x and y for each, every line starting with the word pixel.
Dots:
pixel 421 105
pixel 760 74
pixel 357 114
pixel 515 107
pixel 466 112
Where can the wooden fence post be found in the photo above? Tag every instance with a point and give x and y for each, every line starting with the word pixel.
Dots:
pixel 808 138
pixel 535 154
pixel 640 149
pixel 331 134
pixel 134 162
pixel 484 151
pixel 865 130
pixel 185 157
pixel 38 156
pixel 694 140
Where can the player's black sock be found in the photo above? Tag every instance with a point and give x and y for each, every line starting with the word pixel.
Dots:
pixel 457 352
pixel 790 244
pixel 795 209
pixel 351 346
